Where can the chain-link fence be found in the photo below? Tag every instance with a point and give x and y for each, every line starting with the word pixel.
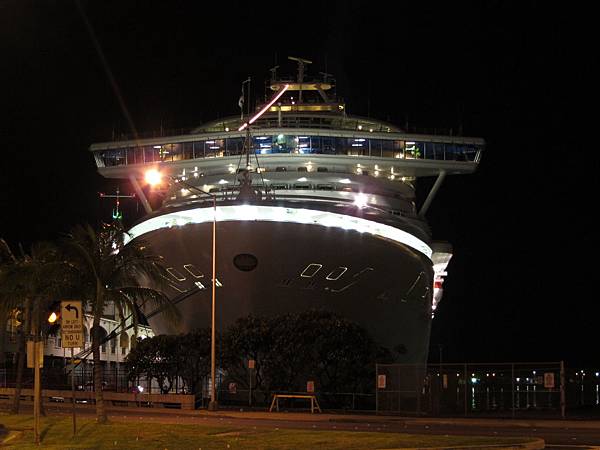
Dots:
pixel 508 389
pixel 499 389
pixel 115 379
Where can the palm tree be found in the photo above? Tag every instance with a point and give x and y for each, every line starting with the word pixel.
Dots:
pixel 10 305
pixel 29 284
pixel 128 276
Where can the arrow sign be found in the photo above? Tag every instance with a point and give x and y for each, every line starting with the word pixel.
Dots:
pixel 71 324
pixel 70 308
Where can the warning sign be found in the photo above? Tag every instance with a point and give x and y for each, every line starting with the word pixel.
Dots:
pixel 549 380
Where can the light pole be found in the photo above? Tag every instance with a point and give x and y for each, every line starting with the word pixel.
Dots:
pixel 153 177
pixel 213 405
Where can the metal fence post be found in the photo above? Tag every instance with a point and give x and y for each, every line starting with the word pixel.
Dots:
pixel 563 402
pixel 465 388
pixel 376 389
pixel 419 386
pixel 512 389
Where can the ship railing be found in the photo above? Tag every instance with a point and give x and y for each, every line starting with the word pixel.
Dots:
pixel 317 145
pixel 324 121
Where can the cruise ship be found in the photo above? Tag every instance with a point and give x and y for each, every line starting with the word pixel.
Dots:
pixel 313 208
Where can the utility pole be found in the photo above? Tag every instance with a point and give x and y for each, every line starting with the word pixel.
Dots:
pixel 213 405
pixel 36 385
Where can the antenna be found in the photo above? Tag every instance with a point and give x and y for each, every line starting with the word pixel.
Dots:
pixel 301 63
pixel 325 76
pixel 116 213
pixel 242 100
pixel 273 71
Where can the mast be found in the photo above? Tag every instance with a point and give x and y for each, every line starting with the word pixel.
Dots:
pixel 301 63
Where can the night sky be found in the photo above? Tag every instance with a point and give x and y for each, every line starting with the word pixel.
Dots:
pixel 521 285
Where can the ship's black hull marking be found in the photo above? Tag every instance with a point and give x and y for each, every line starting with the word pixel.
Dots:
pixel 412 287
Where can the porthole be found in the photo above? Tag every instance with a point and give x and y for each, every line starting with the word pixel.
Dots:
pixel 245 262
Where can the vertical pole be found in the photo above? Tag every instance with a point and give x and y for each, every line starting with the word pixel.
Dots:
pixel 213 372
pixel 466 385
pixel 73 391
pixel 419 384
pixel 376 389
pixel 512 383
pixel 563 402
pixel 250 395
pixel 36 390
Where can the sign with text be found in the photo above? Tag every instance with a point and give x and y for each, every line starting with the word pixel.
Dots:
pixel 381 381
pixel 71 325
pixel 251 364
pixel 549 380
pixel 31 346
pixel 310 386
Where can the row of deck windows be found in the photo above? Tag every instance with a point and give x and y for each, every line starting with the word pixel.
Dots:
pixel 289 144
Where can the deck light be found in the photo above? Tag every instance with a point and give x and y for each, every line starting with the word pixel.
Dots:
pixel 153 177
pixel 360 200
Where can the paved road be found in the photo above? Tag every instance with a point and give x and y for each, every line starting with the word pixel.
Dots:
pixel 559 435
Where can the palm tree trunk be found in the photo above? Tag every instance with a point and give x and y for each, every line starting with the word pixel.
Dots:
pixel 22 357
pixel 100 410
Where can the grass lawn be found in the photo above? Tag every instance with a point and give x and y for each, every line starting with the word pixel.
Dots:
pixel 56 434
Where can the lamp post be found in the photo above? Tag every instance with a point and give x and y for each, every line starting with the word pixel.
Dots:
pixel 213 406
pixel 153 177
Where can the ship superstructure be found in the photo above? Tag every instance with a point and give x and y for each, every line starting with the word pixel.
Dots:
pixel 331 223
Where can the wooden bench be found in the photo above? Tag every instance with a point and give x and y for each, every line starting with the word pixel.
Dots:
pixel 314 404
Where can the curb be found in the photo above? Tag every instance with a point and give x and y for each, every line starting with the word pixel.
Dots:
pixel 11 436
pixel 536 444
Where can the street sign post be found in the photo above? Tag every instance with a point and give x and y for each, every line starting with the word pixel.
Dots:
pixel 71 326
pixel 71 330
pixel 251 365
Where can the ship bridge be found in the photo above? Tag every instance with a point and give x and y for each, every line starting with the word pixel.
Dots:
pixel 333 164
pixel 303 145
